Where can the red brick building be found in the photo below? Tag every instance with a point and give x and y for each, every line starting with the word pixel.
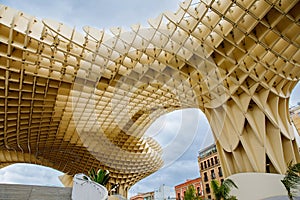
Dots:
pixel 144 196
pixel 181 188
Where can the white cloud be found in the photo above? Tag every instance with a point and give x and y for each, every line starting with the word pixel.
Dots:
pixel 295 96
pixel 178 131
pixel 30 174
pixel 97 13
pixel 180 154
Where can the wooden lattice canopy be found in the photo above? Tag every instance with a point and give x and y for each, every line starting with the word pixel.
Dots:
pixel 74 101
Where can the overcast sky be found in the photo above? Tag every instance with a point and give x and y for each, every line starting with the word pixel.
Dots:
pixel 186 132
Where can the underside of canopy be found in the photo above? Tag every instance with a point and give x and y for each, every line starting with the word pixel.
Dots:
pixel 76 101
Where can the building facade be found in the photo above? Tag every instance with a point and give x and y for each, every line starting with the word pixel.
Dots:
pixel 181 188
pixel 295 117
pixel 143 196
pixel 210 169
pixel 164 193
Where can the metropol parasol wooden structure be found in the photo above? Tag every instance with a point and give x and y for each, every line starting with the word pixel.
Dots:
pixel 74 101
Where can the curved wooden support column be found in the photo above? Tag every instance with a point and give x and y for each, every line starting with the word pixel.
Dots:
pixel 253 133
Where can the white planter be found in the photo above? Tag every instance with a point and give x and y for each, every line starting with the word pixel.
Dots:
pixel 87 189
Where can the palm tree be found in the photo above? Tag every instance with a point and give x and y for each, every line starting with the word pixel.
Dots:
pixel 101 177
pixel 222 191
pixel 190 194
pixel 291 181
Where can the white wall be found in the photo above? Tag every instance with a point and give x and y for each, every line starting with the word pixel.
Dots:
pixel 87 189
pixel 255 186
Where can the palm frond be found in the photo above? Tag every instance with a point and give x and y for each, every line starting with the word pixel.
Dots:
pixel 101 176
pixel 223 190
pixel 216 189
pixel 229 183
pixel 291 181
pixel 92 174
pixel 106 177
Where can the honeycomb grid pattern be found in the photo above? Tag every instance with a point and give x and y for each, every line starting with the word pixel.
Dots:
pixel 75 101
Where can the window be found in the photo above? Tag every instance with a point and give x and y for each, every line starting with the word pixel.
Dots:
pixel 212 161
pixel 268 163
pixel 198 191
pixel 178 196
pixel 207 189
pixel 216 160
pixel 213 175
pixel 222 180
pixel 220 172
pixel 208 163
pixel 205 177
pixel 205 166
pixel 201 166
pixel 209 197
